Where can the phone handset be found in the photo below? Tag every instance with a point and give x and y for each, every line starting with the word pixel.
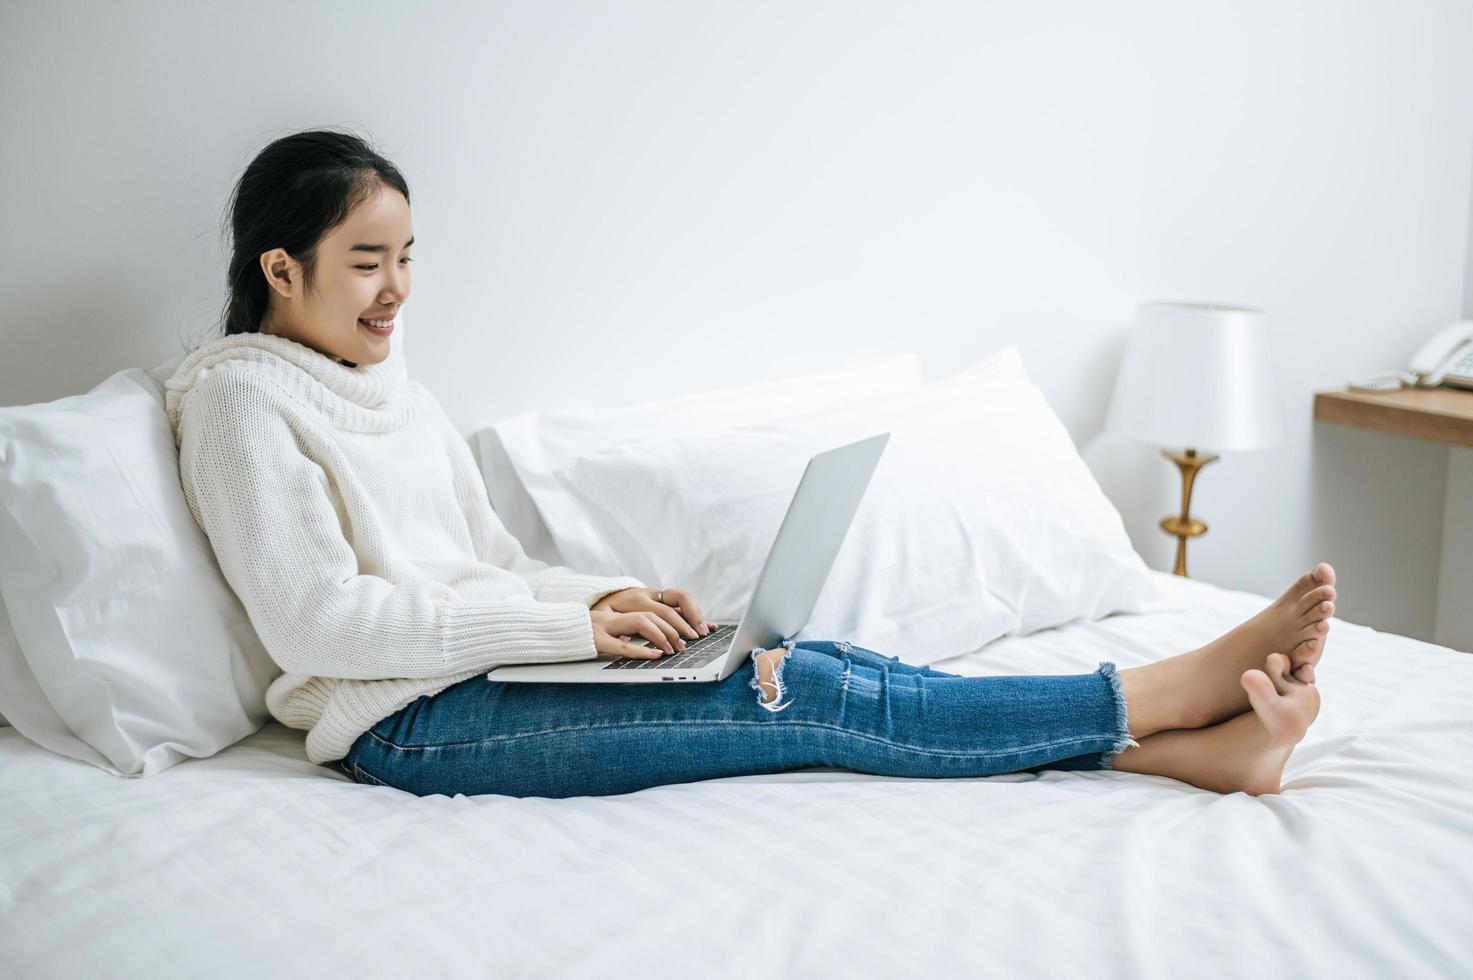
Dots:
pixel 1434 358
pixel 1449 351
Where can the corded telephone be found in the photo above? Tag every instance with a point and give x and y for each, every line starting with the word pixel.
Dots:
pixel 1446 359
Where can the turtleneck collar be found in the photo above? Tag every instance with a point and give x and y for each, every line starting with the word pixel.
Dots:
pixel 368 398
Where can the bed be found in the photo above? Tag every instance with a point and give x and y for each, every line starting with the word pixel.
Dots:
pixel 255 862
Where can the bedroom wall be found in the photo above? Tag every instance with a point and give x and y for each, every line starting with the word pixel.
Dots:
pixel 614 201
pixel 1453 623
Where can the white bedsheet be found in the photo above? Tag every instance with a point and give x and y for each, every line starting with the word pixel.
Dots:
pixel 257 863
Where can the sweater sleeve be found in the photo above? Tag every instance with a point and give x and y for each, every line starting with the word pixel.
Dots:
pixel 265 506
pixel 495 544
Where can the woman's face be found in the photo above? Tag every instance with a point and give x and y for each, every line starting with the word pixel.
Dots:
pixel 362 273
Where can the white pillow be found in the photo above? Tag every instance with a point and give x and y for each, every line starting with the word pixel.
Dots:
pixel 135 644
pixel 981 519
pixel 23 702
pixel 522 457
pixel 26 706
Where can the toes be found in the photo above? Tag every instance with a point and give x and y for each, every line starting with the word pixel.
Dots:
pixel 1316 598
pixel 1301 586
pixel 1277 669
pixel 1323 574
pixel 1313 631
pixel 1304 673
pixel 1316 622
pixel 1305 652
pixel 1261 694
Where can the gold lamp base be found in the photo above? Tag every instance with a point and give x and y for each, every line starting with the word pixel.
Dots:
pixel 1185 526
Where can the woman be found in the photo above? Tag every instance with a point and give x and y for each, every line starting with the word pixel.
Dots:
pixel 348 515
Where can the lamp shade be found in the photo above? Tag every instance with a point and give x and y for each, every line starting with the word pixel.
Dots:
pixel 1198 375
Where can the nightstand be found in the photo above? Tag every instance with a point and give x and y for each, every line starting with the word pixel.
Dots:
pixel 1442 415
pixel 1439 414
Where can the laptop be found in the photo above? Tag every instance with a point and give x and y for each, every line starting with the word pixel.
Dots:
pixel 788 586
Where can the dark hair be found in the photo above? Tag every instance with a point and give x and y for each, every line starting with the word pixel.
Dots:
pixel 294 192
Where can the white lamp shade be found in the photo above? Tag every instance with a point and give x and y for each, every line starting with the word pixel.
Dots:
pixel 1198 375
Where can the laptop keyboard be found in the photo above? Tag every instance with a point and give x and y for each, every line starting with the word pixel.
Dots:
pixel 697 653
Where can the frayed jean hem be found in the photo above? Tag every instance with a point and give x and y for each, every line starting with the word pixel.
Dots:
pixel 1123 741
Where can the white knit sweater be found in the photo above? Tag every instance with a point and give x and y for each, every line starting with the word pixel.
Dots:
pixel 348 515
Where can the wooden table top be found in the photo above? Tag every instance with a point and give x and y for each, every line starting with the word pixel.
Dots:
pixel 1439 414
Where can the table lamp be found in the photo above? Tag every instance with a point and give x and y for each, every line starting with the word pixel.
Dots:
pixel 1196 375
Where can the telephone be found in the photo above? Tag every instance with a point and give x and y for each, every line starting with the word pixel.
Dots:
pixel 1446 359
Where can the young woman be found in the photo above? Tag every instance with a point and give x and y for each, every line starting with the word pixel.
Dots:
pixel 348 515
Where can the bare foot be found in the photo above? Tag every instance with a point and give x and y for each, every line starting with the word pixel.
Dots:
pixel 1245 754
pixel 1297 621
pixel 1285 702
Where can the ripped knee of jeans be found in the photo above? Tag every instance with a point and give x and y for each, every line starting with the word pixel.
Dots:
pixel 774 683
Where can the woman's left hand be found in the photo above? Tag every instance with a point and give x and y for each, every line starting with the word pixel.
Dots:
pixel 680 608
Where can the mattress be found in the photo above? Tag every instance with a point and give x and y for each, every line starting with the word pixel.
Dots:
pixel 256 862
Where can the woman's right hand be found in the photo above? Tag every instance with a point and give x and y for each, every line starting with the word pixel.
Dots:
pixel 611 632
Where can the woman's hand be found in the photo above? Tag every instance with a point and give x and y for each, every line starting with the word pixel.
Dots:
pixel 620 615
pixel 612 630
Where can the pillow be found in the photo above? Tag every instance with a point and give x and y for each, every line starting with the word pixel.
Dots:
pixel 18 684
pixel 981 519
pixel 137 651
pixel 522 457
pixel 121 416
pixel 26 707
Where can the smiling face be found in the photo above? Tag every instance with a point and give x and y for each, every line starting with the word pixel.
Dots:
pixel 362 272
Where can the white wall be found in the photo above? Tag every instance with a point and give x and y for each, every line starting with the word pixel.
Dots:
pixel 1453 624
pixel 617 200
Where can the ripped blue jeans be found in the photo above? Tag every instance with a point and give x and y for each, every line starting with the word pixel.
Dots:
pixel 837 706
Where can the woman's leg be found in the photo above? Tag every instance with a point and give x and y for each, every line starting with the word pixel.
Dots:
pixel 1246 753
pixel 559 740
pixel 1296 624
pixel 1154 702
pixel 839 648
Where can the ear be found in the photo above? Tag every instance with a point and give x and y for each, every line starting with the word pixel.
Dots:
pixel 283 272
